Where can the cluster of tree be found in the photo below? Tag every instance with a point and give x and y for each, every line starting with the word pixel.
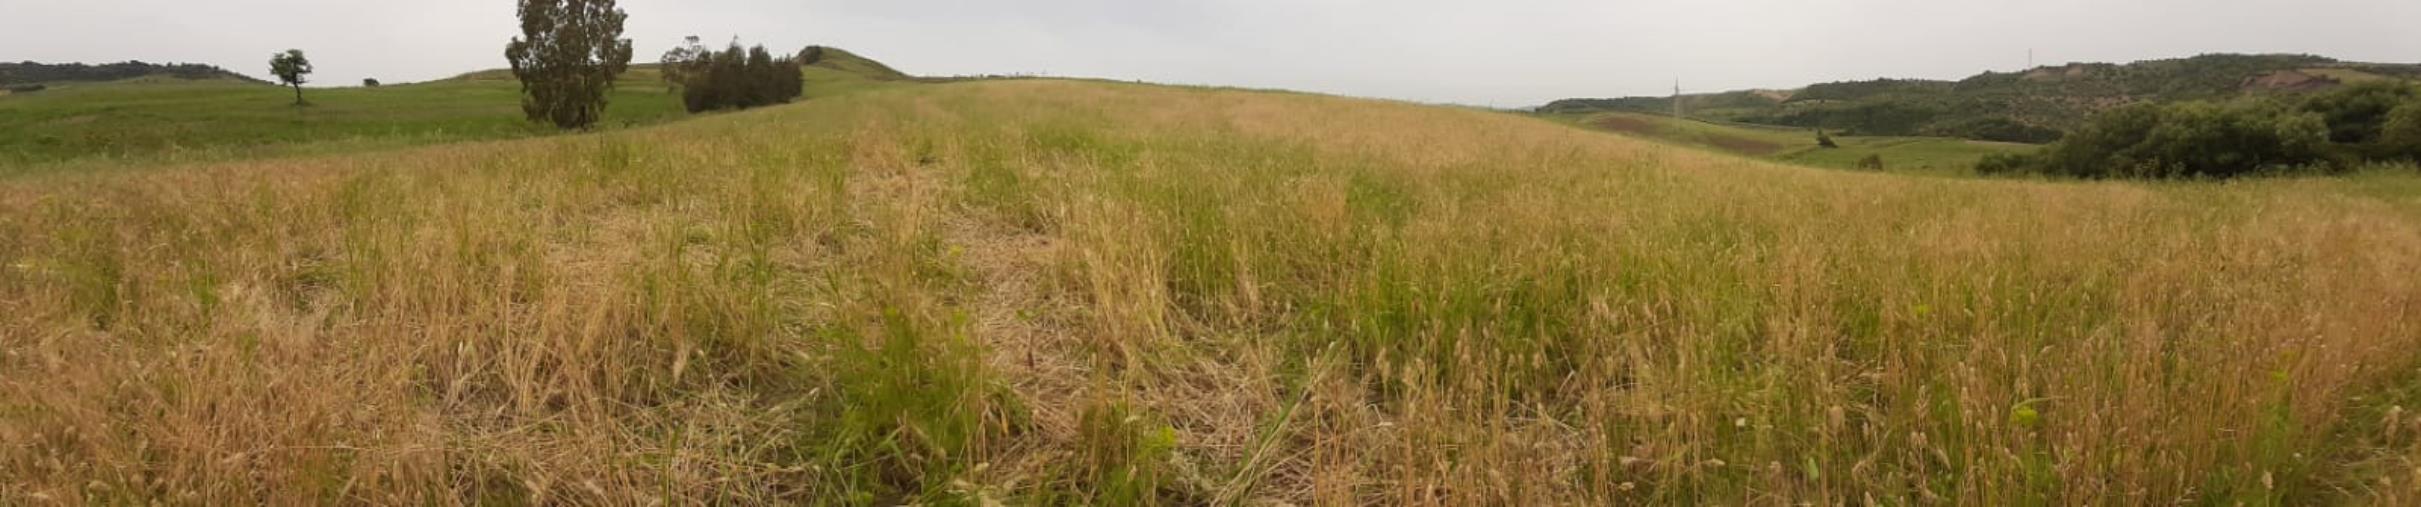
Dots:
pixel 567 57
pixel 733 78
pixel 30 72
pixel 2368 122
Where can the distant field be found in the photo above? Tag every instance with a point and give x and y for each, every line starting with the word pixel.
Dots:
pixel 1081 293
pixel 83 125
pixel 1923 155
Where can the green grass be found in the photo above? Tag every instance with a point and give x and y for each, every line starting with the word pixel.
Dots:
pixel 81 126
pixel 1916 155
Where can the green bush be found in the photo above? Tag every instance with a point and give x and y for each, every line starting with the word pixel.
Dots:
pixel 2400 134
pixel 2188 140
pixel 2357 114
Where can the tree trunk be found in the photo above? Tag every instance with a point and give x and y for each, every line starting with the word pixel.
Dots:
pixel 298 94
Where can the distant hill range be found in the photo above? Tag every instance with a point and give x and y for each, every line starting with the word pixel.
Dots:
pixel 2032 106
pixel 25 73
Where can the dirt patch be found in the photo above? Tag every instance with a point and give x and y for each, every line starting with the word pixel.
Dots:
pixel 2289 81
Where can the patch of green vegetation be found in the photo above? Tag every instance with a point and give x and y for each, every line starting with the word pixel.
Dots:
pixel 2032 106
pixel 147 120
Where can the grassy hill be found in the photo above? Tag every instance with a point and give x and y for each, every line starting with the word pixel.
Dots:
pixel 1052 292
pixel 77 125
pixel 1915 155
pixel 2030 106
pixel 23 73
pixel 841 60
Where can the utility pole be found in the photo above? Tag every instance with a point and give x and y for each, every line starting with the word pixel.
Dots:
pixel 1677 111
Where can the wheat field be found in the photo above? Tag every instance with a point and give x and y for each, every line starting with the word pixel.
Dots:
pixel 1058 292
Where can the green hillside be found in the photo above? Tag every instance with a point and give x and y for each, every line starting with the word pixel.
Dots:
pixel 2031 106
pixel 24 73
pixel 170 118
pixel 842 60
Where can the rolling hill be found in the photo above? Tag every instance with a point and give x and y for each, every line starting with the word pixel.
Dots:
pixel 1057 292
pixel 842 60
pixel 25 73
pixel 2032 106
pixel 169 117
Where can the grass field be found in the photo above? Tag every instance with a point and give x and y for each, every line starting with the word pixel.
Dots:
pixel 81 126
pixel 1912 155
pixel 1050 292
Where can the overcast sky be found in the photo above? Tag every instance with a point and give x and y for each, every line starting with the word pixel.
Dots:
pixel 1481 52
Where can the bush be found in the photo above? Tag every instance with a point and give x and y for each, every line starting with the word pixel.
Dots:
pixel 2400 135
pixel 369 82
pixel 2357 117
pixel 2188 140
pixel 1825 140
pixel 1998 164
pixel 1872 162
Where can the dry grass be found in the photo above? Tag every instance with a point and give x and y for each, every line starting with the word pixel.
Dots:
pixel 1054 292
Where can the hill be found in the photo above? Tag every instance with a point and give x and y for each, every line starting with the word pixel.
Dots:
pixel 2031 106
pixel 180 119
pixel 842 60
pixel 1082 293
pixel 40 73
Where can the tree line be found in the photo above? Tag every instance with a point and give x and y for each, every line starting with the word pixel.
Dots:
pixel 2354 125
pixel 733 78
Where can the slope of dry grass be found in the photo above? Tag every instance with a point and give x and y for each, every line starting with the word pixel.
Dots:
pixel 1054 292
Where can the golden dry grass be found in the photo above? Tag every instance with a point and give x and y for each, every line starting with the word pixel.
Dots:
pixel 1056 292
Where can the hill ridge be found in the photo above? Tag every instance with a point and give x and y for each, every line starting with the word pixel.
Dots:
pixel 2031 105
pixel 30 72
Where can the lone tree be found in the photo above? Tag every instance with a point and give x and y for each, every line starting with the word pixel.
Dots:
pixel 567 58
pixel 290 67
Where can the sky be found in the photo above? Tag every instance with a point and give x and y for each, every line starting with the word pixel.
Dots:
pixel 1499 53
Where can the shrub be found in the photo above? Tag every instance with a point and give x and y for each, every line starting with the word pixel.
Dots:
pixel 2400 135
pixel 2357 117
pixel 1872 162
pixel 1825 140
pixel 369 82
pixel 1998 164
pixel 2188 140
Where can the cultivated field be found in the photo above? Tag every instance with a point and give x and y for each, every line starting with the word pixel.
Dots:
pixel 1050 292
pixel 1940 156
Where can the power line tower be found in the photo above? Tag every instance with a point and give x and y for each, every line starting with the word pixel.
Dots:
pixel 1677 111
